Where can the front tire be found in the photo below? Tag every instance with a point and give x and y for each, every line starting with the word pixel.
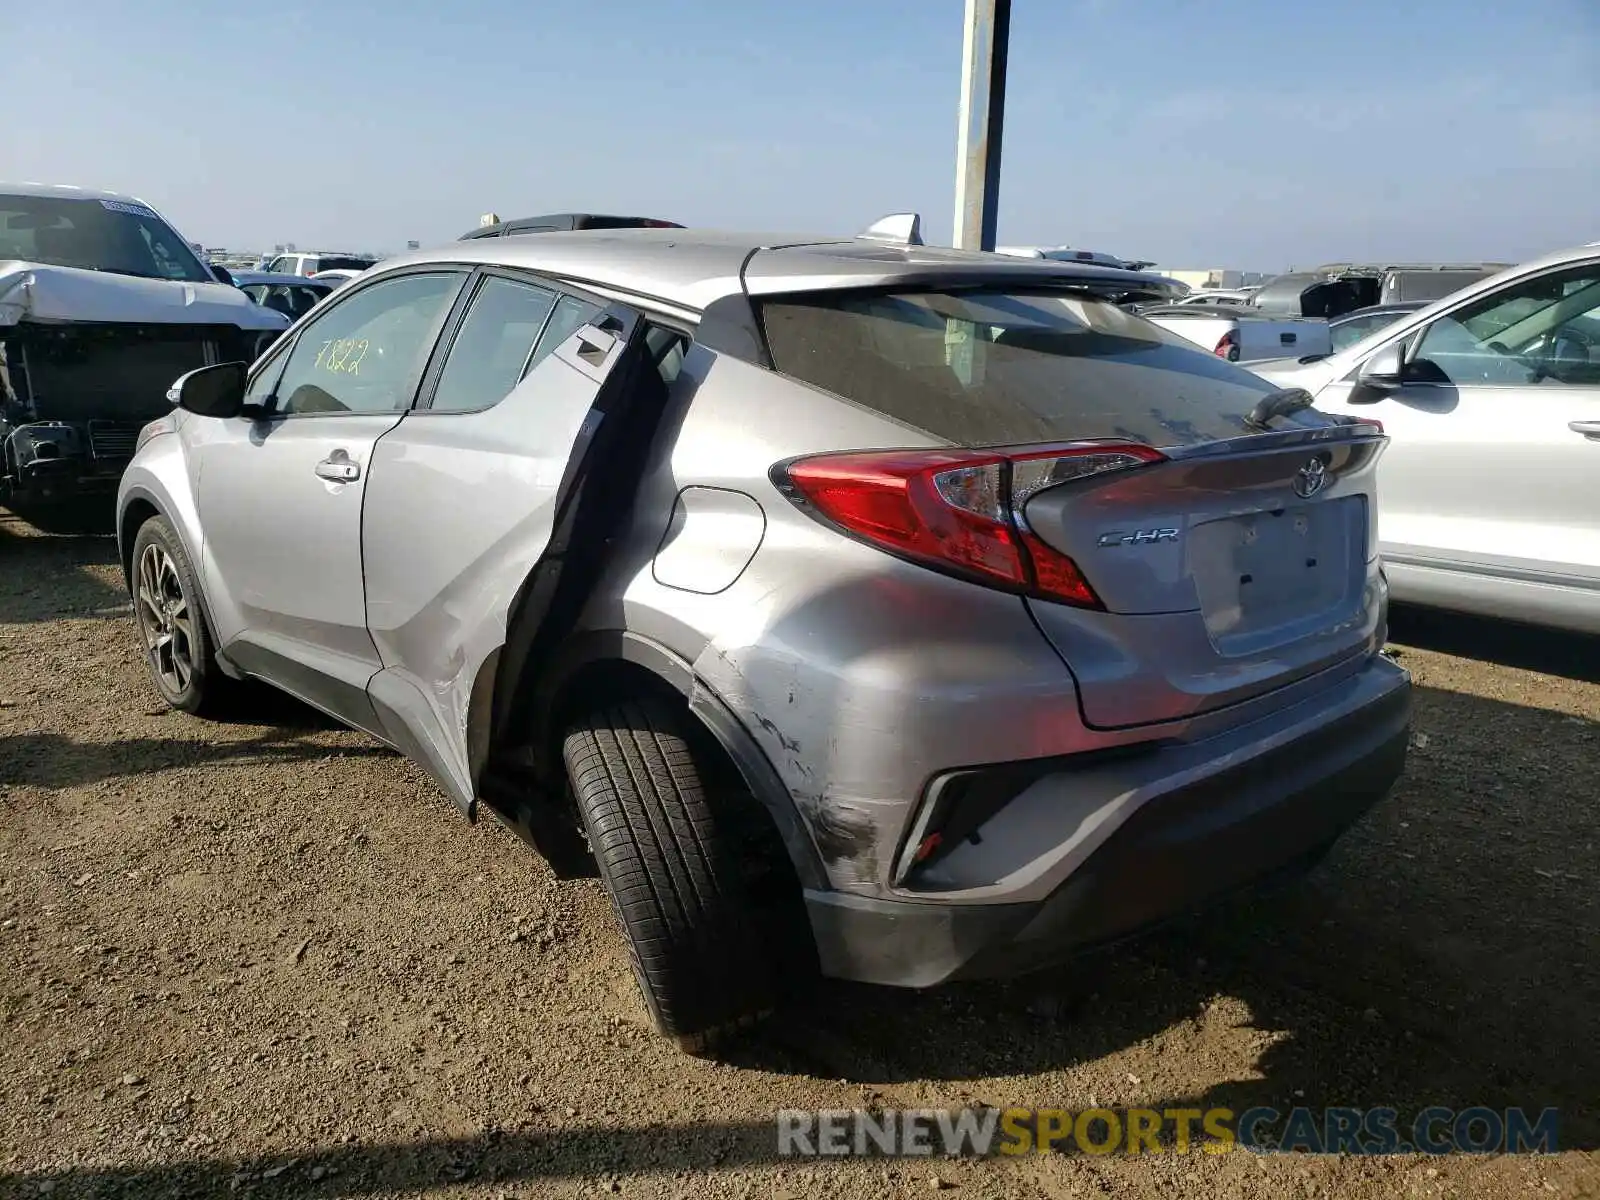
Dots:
pixel 166 608
pixel 694 936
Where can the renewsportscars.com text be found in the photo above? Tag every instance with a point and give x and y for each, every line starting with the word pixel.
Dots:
pixel 982 1132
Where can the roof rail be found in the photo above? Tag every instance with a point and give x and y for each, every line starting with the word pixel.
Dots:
pixel 899 229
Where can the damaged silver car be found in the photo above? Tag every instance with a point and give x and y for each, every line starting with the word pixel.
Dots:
pixel 853 606
pixel 102 303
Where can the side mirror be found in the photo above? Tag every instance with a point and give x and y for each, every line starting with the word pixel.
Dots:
pixel 223 275
pixel 1383 372
pixel 215 391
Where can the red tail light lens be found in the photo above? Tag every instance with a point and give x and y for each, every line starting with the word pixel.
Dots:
pixel 959 509
pixel 1228 347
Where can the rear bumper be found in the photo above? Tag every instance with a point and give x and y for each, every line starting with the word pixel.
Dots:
pixel 1253 817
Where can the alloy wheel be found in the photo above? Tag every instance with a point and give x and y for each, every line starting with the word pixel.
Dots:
pixel 166 619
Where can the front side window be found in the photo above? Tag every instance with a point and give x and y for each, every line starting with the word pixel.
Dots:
pixel 116 236
pixel 366 355
pixel 986 368
pixel 492 349
pixel 1539 330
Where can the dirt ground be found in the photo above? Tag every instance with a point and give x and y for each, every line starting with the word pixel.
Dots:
pixel 271 959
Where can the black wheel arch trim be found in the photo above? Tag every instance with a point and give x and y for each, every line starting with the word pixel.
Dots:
pixel 125 557
pixel 759 776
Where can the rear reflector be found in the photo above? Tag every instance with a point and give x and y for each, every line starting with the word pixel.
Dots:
pixel 958 509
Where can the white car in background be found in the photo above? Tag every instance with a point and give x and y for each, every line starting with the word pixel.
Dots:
pixel 336 277
pixel 1218 297
pixel 1240 333
pixel 1490 490
pixel 313 262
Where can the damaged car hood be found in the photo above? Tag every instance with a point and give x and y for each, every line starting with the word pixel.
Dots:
pixel 38 292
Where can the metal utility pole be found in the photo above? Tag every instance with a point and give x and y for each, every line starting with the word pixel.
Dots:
pixel 983 109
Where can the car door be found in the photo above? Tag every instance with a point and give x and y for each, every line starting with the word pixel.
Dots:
pixel 1494 464
pixel 481 483
pixel 279 495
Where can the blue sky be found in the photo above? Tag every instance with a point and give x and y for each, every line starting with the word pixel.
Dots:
pixel 1238 133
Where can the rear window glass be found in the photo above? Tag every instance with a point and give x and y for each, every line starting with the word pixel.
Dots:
pixel 340 262
pixel 996 368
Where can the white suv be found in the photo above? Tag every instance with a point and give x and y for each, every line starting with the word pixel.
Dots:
pixel 309 262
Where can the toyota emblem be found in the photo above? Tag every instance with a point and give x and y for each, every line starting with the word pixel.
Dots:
pixel 1310 479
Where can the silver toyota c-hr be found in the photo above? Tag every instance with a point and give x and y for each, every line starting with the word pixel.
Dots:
pixel 860 607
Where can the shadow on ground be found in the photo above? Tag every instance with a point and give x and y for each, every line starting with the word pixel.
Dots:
pixel 58 579
pixel 1445 954
pixel 1550 652
pixel 55 760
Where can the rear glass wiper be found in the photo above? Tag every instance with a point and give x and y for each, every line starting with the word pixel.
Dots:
pixel 1277 404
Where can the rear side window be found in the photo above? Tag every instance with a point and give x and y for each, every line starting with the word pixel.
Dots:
pixel 571 315
pixel 493 347
pixel 997 368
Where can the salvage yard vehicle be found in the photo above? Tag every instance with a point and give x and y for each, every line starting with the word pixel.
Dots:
pixel 1238 333
pixel 899 613
pixel 1491 489
pixel 335 277
pixel 292 295
pixel 102 304
pixel 1337 288
pixel 1217 297
pixel 314 262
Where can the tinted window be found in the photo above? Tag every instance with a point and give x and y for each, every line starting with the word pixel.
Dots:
pixel 493 345
pixel 366 354
pixel 1428 286
pixel 339 262
pixel 570 315
pixel 625 223
pixel 990 368
pixel 118 236
pixel 1540 330
pixel 666 348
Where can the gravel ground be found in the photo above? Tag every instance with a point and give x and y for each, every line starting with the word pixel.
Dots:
pixel 271 959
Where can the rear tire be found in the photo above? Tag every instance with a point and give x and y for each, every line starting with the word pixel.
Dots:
pixel 700 956
pixel 166 609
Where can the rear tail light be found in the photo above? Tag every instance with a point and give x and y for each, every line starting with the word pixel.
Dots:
pixel 1228 347
pixel 959 510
